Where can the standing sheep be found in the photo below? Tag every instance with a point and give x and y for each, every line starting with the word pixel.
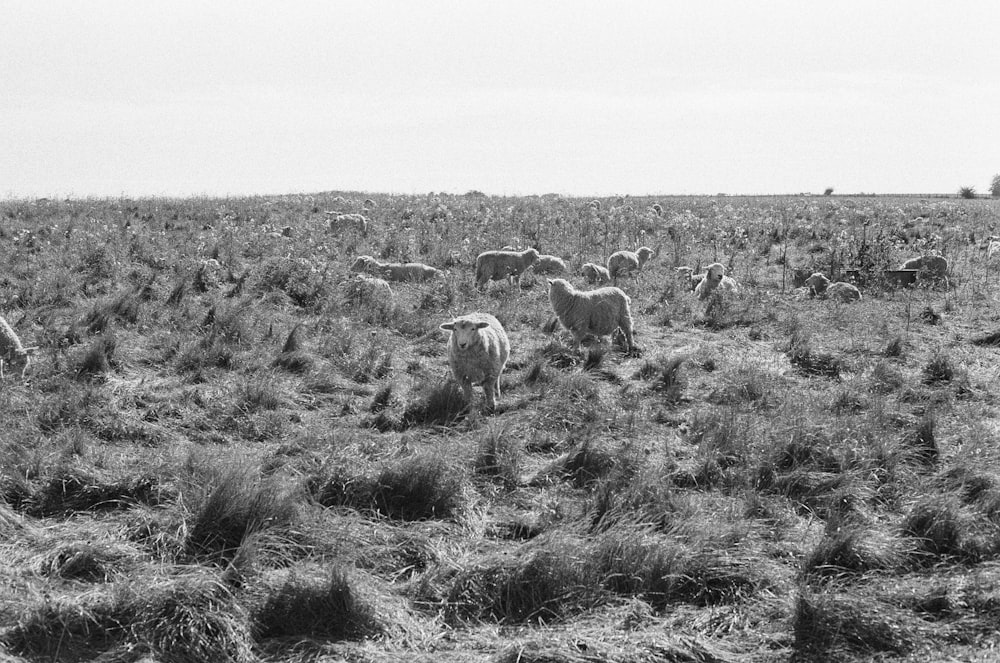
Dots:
pixel 621 263
pixel 478 349
pixel 341 222
pixel 496 265
pixel 591 313
pixel 820 286
pixel 11 350
pixel 595 273
pixel 715 279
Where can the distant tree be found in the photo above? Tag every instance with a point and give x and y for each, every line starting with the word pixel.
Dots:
pixel 967 192
pixel 995 186
pixel 829 191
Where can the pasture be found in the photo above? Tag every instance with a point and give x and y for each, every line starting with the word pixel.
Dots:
pixel 227 449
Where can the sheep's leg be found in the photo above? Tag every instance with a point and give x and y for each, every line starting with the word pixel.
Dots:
pixel 467 389
pixel 492 389
pixel 626 326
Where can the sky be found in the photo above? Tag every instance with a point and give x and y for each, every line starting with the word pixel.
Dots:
pixel 513 97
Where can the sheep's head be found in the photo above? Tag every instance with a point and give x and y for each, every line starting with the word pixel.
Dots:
pixel 684 273
pixel 644 253
pixel 465 331
pixel 363 263
pixel 532 256
pixel 818 283
pixel 715 272
pixel 558 284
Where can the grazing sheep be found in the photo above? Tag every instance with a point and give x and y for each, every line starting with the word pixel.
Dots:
pixel 547 264
pixel 342 222
pixel 689 278
pixel 715 279
pixel 409 271
pixel 591 313
pixel 595 204
pixel 367 290
pixel 621 263
pixel 11 350
pixel 595 273
pixel 496 265
pixel 935 267
pixel 478 349
pixel 394 271
pixel 370 204
pixel 820 286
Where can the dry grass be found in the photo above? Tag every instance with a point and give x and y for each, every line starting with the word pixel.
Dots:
pixel 267 459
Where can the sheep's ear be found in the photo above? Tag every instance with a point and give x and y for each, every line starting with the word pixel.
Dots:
pixel 448 326
pixel 482 325
pixel 549 280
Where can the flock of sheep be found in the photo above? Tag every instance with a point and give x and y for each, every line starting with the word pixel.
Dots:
pixel 478 346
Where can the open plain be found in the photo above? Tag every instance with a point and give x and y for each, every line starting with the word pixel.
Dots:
pixel 228 447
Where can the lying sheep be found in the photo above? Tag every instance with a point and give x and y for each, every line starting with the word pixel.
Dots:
pixel 621 263
pixel 395 271
pixel 478 349
pixel 342 222
pixel 820 286
pixel 11 350
pixel 591 313
pixel 715 279
pixel 595 273
pixel 497 265
pixel 547 264
pixel 935 267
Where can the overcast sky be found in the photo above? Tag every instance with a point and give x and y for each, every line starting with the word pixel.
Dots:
pixel 506 97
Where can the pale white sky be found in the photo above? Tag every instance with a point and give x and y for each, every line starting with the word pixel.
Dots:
pixel 507 97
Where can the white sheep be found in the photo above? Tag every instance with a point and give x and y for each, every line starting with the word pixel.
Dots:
pixel 547 264
pixel 341 222
pixel 11 350
pixel 591 313
pixel 595 273
pixel 395 271
pixel 935 267
pixel 621 263
pixel 820 286
pixel 715 279
pixel 496 265
pixel 408 271
pixel 478 349
pixel 688 278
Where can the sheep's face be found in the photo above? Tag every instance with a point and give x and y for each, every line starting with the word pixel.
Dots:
pixel 715 272
pixel 465 332
pixel 532 255
pixel 644 253
pixel 362 263
pixel 818 283
pixel 558 284
pixel 684 273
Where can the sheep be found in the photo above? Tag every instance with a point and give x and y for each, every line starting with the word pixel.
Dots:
pixel 408 271
pixel 595 273
pixel 689 278
pixel 478 349
pixel 496 265
pixel 820 285
pixel 547 264
pixel 715 279
pixel 591 313
pixel 935 267
pixel 11 349
pixel 621 263
pixel 341 222
pixel 394 271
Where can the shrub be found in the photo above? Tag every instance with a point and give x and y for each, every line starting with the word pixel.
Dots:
pixel 967 192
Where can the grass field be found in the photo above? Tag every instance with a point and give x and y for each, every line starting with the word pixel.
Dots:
pixel 226 450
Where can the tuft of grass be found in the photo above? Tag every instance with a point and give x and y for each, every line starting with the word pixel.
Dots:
pixel 192 620
pixel 499 456
pixel 70 491
pixel 233 508
pixel 98 361
pixel 55 628
pixel 444 405
pixel 831 626
pixel 895 348
pixel 941 529
pixel 921 442
pixel 326 608
pixel 852 551
pixel 939 369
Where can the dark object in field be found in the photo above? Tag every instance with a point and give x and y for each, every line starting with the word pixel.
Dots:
pixel 892 278
pixel 993 338
pixel 816 363
pixel 930 316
